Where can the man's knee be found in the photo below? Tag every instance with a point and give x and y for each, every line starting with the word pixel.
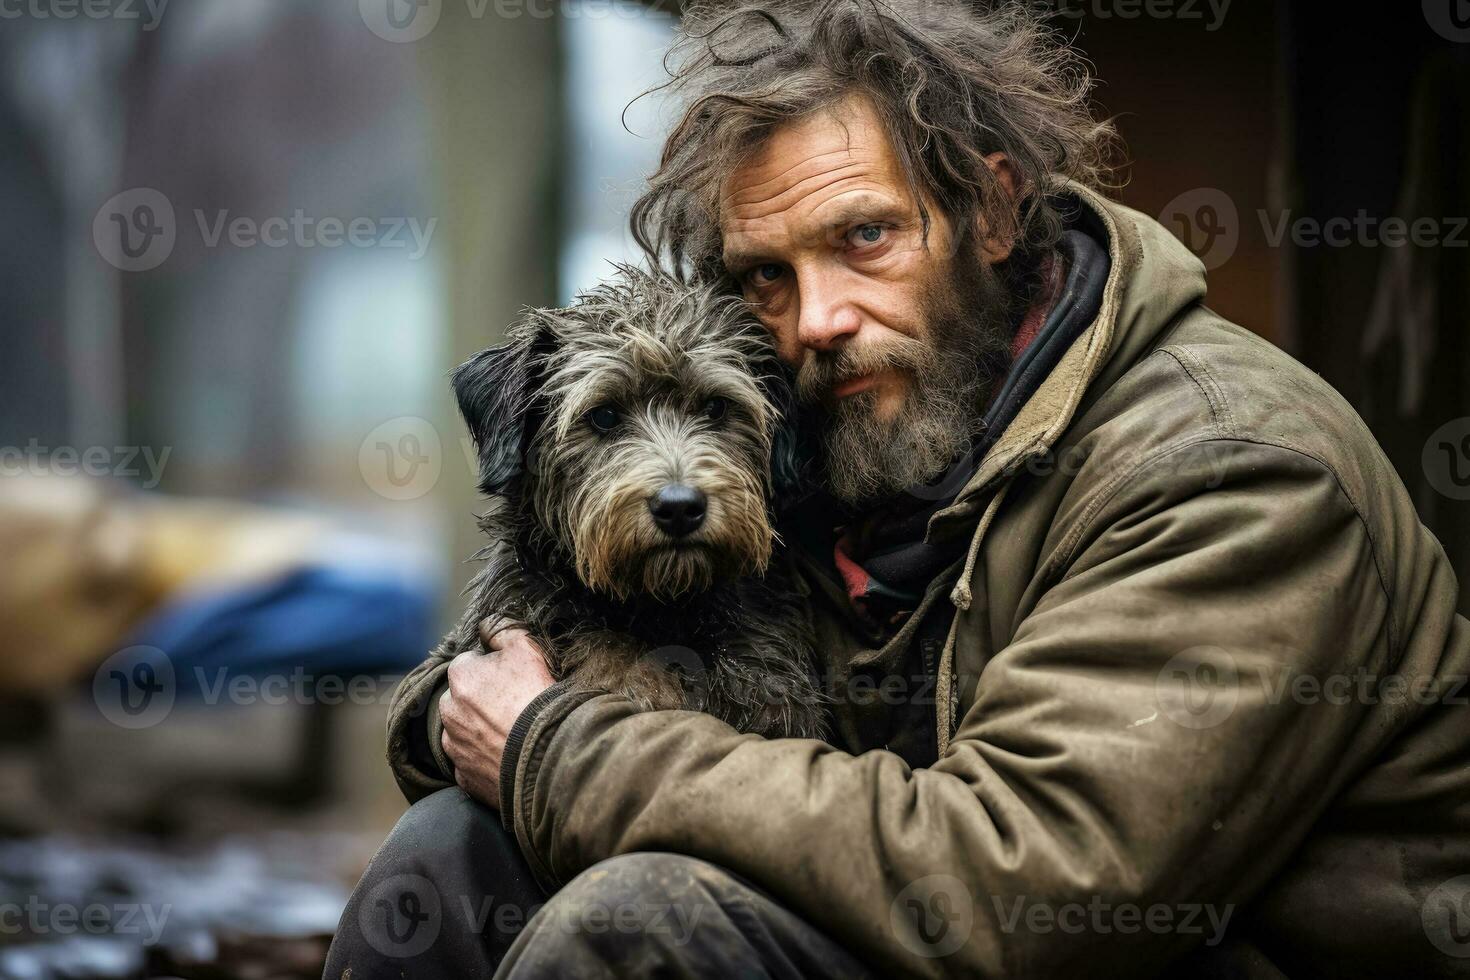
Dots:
pixel 448 886
pixel 649 893
pixel 456 846
pixel 425 824
pixel 643 913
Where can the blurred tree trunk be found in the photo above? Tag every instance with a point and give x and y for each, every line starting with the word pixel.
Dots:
pixel 494 89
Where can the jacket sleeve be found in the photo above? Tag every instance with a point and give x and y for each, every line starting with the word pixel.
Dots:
pixel 1132 767
pixel 415 748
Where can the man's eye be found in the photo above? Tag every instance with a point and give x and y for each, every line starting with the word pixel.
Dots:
pixel 865 235
pixel 716 409
pixel 765 274
pixel 604 418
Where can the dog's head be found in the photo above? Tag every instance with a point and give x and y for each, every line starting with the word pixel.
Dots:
pixel 645 427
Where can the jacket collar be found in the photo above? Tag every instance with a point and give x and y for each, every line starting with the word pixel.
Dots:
pixel 1152 279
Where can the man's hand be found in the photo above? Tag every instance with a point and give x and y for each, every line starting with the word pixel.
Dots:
pixel 487 693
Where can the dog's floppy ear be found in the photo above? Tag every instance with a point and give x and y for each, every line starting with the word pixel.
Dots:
pixel 789 443
pixel 495 390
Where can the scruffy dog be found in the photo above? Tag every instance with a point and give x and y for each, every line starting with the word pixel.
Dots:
pixel 630 444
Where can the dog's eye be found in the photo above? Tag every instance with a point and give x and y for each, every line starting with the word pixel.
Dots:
pixel 604 418
pixel 715 409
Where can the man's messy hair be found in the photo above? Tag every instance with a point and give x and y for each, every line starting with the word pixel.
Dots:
pixel 951 81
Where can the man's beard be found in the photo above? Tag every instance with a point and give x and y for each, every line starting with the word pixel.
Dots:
pixel 951 372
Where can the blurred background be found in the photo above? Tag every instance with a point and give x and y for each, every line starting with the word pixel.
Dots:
pixel 247 241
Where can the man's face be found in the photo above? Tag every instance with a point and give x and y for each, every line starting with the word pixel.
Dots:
pixel 897 340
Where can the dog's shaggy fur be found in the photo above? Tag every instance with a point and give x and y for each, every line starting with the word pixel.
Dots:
pixel 580 420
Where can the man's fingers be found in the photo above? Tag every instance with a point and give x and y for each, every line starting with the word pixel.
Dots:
pixel 454 715
pixel 458 670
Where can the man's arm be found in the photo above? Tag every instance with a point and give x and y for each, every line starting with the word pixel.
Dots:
pixel 415 750
pixel 429 730
pixel 1082 778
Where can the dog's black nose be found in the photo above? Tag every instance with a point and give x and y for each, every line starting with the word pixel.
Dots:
pixel 677 509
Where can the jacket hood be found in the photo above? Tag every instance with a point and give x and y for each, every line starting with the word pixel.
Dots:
pixel 1153 279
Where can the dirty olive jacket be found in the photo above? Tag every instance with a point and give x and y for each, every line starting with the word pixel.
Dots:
pixel 1204 670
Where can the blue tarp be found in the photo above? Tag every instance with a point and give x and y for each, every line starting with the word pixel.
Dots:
pixel 320 621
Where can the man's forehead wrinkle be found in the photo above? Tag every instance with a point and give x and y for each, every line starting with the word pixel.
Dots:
pixel 787 196
pixel 759 191
pixel 801 193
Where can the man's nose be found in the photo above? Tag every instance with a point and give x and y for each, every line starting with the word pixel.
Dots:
pixel 828 319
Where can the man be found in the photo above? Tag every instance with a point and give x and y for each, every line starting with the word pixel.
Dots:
pixel 1141 659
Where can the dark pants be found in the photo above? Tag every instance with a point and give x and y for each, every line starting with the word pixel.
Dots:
pixel 449 895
